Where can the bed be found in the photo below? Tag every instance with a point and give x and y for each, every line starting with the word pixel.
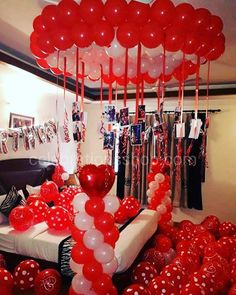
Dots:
pixel 54 247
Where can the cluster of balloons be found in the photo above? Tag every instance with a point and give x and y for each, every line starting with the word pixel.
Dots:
pixel 92 258
pixel 59 175
pixel 58 217
pixel 129 207
pixel 203 260
pixel 105 30
pixel 159 191
pixel 27 276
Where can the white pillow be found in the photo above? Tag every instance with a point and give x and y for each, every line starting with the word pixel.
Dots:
pixel 33 189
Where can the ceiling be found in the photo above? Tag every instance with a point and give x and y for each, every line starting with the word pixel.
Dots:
pixel 16 18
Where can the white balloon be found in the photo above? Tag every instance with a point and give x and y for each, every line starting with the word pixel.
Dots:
pixel 111 266
pixel 133 52
pixel 93 239
pixel 167 200
pixel 104 253
pixel 112 203
pixel 132 70
pixel 65 176
pixel 95 71
pixel 159 177
pixel 75 267
pixel 153 185
pixel 80 284
pixel 118 68
pixel 168 193
pixel 149 193
pixel 161 209
pixel 79 202
pixel 83 221
pixel 145 64
pixel 115 49
pixel 154 70
pixel 149 200
pixel 52 60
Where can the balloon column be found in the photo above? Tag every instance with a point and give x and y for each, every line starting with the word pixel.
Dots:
pixel 95 233
pixel 159 189
pixel 115 29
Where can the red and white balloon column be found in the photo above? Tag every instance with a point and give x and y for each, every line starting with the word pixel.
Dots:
pixel 95 233
pixel 159 192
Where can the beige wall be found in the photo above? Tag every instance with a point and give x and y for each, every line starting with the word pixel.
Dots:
pixel 26 94
pixel 219 191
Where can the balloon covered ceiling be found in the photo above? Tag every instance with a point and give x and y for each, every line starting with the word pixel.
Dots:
pixel 126 42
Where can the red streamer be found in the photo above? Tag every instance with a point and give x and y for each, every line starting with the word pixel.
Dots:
pixel 126 76
pixel 138 82
pixel 196 102
pixel 110 76
pixel 82 87
pixel 77 74
pixel 101 89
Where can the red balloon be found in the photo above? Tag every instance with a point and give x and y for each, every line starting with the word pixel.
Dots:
pixel 21 218
pixel 111 236
pixel 56 177
pixel 162 243
pixel 121 80
pixel 136 289
pixel 232 290
pixel 49 16
pixel 163 12
pixel 148 79
pixel 121 215
pixel 56 71
pixel 143 273
pixel 191 43
pixel 39 25
pixel 72 292
pixel 49 191
pixel 180 75
pixel 6 282
pixel 76 233
pixel 37 52
pixel 104 222
pixel 159 283
pixel 82 35
pixel 96 181
pixel 42 63
pixel 201 19
pixel 25 273
pixel 150 177
pixel 151 35
pixel 102 284
pixel 68 12
pixel 115 11
pixel 155 257
pixel 34 197
pixel 58 218
pixel 45 43
pixel 211 223
pixel 80 254
pixel 205 45
pixel 165 78
pixel 62 39
pixel 227 229
pixel 103 33
pixel 138 12
pixel 215 52
pixel 91 10
pixel 174 39
pixel 216 25
pixel 95 206
pixel 128 35
pixel 92 270
pixel 34 37
pixel 108 79
pixel 184 14
pixel 48 282
pixel 39 209
pixel 190 67
pixel 131 205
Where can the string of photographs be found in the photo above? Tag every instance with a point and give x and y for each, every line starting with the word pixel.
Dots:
pixel 137 131
pixel 43 133
pixel 79 122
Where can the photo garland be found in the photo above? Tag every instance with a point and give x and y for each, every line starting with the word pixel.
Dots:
pixel 43 133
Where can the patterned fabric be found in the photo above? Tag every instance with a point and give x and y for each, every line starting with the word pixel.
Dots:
pixel 12 200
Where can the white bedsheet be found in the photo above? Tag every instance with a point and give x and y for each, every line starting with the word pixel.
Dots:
pixel 39 242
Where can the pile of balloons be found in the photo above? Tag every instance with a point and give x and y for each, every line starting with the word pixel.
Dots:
pixel 159 191
pixel 188 259
pixel 129 207
pixel 57 217
pixel 27 276
pixel 92 257
pixel 105 29
pixel 59 175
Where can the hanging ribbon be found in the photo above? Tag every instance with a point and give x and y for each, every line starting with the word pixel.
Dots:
pixel 126 76
pixel 77 74
pixel 66 120
pixel 101 87
pixel 196 102
pixel 138 81
pixel 142 91
pixel 82 87
pixel 110 79
pixel 158 95
pixel 207 89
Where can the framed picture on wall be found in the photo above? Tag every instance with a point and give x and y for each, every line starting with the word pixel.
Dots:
pixel 18 121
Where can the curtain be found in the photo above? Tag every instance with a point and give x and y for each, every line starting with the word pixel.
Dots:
pixel 187 171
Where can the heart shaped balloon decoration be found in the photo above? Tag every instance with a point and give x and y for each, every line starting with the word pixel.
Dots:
pixel 96 181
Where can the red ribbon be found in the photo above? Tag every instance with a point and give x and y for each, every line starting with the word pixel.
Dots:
pixel 101 88
pixel 77 74
pixel 138 81
pixel 82 87
pixel 126 76
pixel 110 76
pixel 196 102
